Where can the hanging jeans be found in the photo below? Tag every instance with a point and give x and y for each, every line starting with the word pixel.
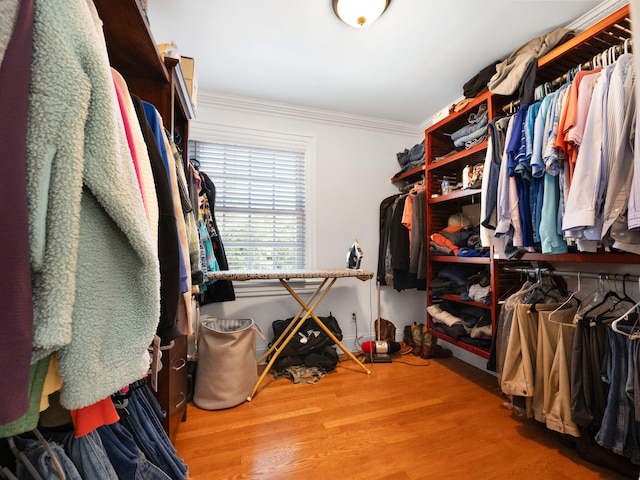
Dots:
pixel 127 459
pixel 140 419
pixel 43 463
pixel 619 431
pixel 86 452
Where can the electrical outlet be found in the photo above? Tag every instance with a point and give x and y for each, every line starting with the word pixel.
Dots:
pixel 353 317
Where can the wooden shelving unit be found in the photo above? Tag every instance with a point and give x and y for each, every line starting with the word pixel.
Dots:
pixel 133 52
pixel 442 162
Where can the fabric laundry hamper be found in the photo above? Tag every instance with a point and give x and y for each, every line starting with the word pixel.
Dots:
pixel 227 367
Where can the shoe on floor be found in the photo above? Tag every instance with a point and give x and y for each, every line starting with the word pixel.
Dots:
pixel 404 349
pixel 438 352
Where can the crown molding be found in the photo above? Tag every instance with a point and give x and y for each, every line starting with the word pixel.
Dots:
pixel 596 14
pixel 252 105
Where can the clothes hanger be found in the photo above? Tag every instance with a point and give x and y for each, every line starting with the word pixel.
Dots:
pixel 52 454
pixel 7 474
pixel 596 297
pixel 595 61
pixel 536 286
pixel 552 288
pixel 521 286
pixel 572 296
pixel 617 300
pixel 21 457
pixel 634 334
pixel 608 295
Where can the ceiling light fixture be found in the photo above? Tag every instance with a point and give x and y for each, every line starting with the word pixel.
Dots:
pixel 359 13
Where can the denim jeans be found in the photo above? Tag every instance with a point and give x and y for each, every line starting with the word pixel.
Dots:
pixel 472 127
pixel 618 431
pixel 127 459
pixel 142 422
pixel 87 453
pixel 152 407
pixel 471 139
pixel 40 459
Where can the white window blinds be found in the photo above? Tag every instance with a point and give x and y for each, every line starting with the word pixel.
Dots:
pixel 259 204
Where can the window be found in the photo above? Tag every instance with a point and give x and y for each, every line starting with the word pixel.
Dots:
pixel 260 204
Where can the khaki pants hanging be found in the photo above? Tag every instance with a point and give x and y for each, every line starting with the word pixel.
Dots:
pixel 552 394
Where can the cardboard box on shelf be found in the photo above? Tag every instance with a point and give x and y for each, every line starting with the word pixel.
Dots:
pixel 187 64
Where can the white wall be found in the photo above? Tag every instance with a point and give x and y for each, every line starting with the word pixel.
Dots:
pixel 354 159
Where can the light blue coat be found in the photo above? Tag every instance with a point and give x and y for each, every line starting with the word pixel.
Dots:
pixel 95 271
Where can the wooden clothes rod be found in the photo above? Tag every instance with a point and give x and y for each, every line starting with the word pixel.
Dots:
pixel 565 273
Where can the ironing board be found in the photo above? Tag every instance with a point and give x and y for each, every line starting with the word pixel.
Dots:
pixel 328 278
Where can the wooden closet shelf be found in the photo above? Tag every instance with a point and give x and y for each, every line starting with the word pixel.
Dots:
pixel 458 156
pixel 613 258
pixel 469 192
pixel 456 298
pixel 409 174
pixel 450 119
pixel 454 259
pixel 132 48
pixel 481 352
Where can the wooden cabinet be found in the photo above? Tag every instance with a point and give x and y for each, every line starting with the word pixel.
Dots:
pixel 443 165
pixel 172 384
pixel 134 53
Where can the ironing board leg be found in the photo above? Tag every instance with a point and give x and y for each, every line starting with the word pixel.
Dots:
pixel 321 324
pixel 314 300
pixel 294 330
pixel 291 324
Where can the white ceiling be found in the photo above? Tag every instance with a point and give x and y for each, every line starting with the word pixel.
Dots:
pixel 405 67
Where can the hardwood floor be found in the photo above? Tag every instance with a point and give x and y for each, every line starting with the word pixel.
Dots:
pixel 411 419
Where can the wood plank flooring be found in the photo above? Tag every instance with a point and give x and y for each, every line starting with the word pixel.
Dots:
pixel 409 420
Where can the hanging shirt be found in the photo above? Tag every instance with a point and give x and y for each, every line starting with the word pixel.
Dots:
pixel 551 240
pixel 503 206
pixel 575 133
pixel 583 215
pixel 569 118
pixel 518 169
pixel 622 161
pixel 537 162
pixel 553 157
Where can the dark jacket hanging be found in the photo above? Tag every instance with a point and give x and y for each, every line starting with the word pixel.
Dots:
pixel 168 239
pixel 221 290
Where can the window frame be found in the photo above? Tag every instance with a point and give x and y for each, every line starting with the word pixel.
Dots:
pixel 246 137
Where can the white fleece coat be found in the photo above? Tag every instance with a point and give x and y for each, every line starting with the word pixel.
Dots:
pixel 96 279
